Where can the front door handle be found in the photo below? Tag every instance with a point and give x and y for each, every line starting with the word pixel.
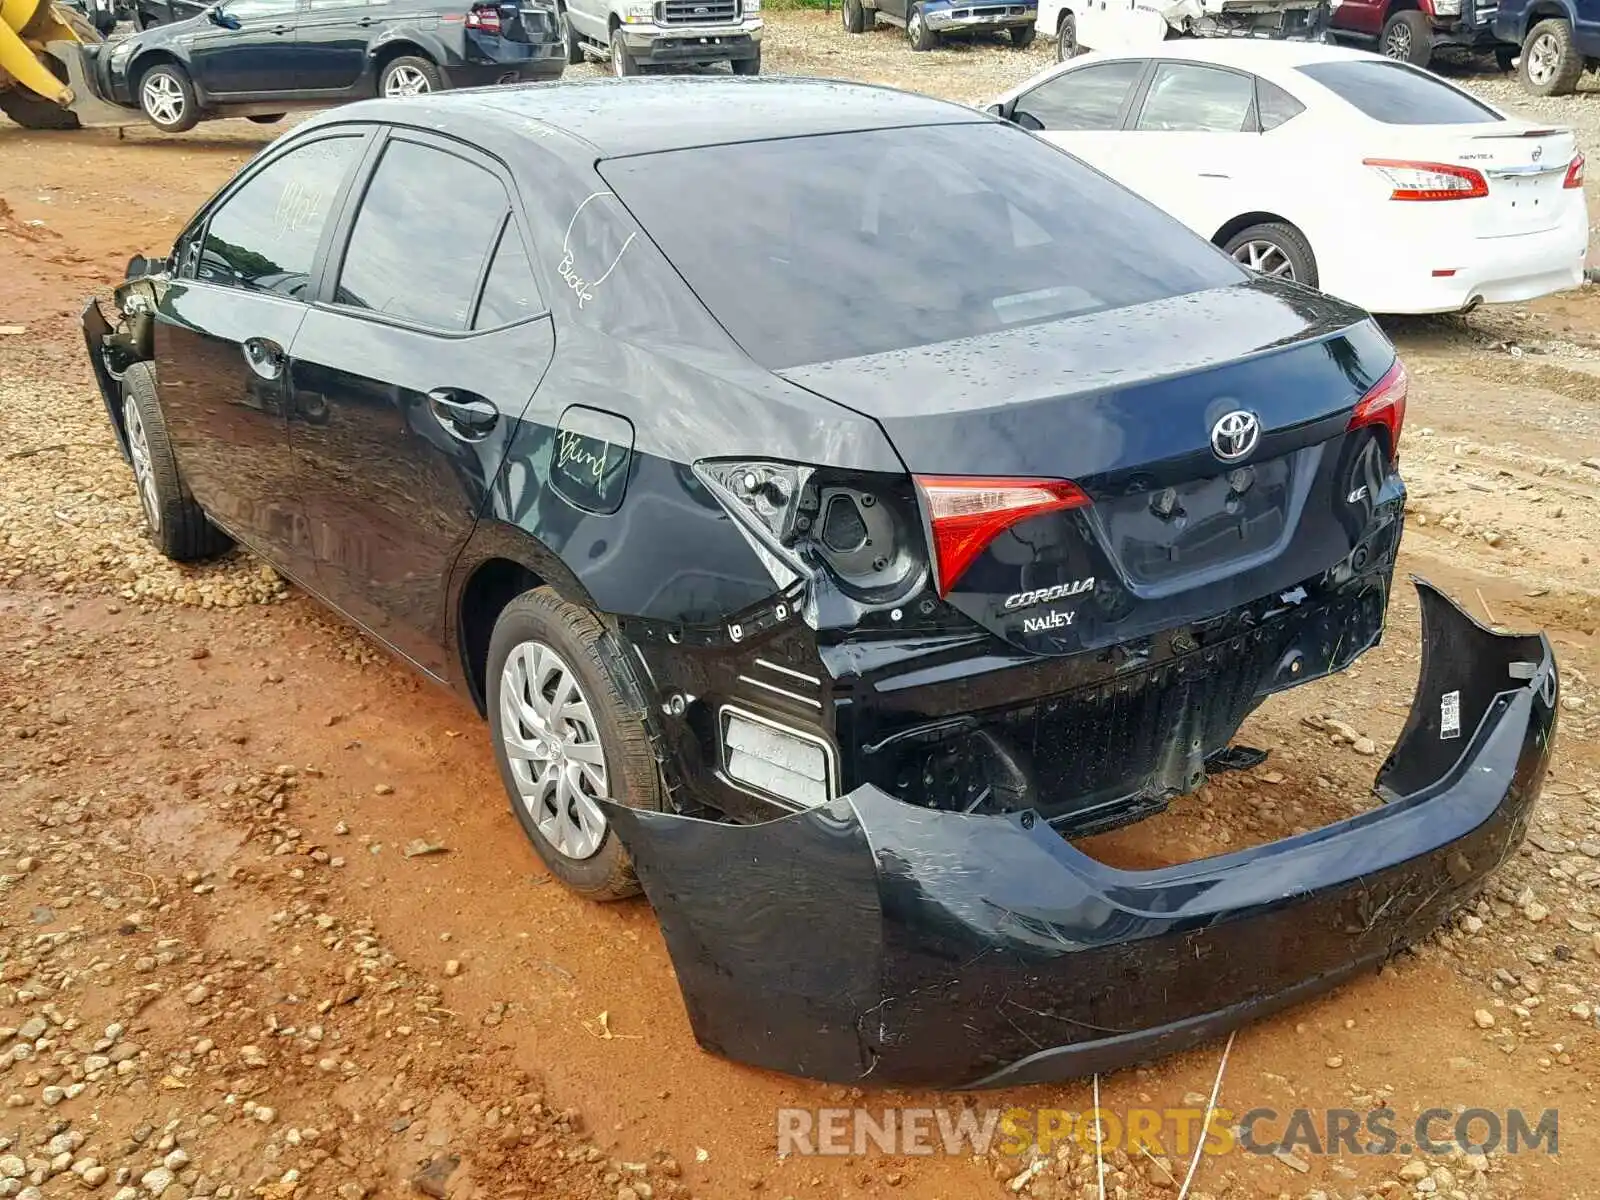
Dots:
pixel 264 357
pixel 365 22
pixel 463 415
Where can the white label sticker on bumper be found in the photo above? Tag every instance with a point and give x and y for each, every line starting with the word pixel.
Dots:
pixel 1449 715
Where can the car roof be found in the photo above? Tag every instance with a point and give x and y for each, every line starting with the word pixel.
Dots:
pixel 1253 54
pixel 620 117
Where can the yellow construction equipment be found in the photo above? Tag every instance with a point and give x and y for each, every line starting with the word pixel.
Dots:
pixel 41 49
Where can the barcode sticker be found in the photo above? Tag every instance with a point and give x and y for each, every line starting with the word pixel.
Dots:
pixel 1450 715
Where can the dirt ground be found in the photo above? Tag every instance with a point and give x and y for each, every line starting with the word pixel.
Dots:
pixel 267 927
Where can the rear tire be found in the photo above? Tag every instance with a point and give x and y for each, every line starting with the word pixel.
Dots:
pixel 575 54
pixel 173 520
pixel 598 716
pixel 1551 64
pixel 1022 36
pixel 1407 37
pixel 857 17
pixel 409 75
pixel 917 31
pixel 747 66
pixel 35 112
pixel 1277 248
pixel 1066 37
pixel 166 97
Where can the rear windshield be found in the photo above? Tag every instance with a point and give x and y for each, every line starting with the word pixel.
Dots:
pixel 1396 94
pixel 818 248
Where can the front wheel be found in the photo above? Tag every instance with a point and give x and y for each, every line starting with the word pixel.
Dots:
pixel 564 735
pixel 623 64
pixel 409 75
pixel 1067 38
pixel 173 519
pixel 1551 64
pixel 1274 248
pixel 917 31
pixel 35 112
pixel 1022 36
pixel 1407 37
pixel 166 97
pixel 747 66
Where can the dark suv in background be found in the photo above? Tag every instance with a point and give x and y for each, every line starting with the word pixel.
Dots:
pixel 261 58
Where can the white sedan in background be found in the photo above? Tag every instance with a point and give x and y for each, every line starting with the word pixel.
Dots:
pixel 1367 178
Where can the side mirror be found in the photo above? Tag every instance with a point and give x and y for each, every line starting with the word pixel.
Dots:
pixel 994 110
pixel 1027 121
pixel 222 19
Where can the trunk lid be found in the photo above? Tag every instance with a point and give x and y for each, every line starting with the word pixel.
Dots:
pixel 1525 166
pixel 1132 405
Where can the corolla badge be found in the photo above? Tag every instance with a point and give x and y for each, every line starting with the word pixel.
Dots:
pixel 1235 435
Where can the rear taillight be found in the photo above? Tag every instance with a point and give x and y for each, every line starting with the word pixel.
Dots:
pixel 1574 177
pixel 1385 406
pixel 1430 180
pixel 966 514
pixel 485 18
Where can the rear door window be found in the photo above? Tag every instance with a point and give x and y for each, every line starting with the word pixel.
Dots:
pixel 1185 98
pixel 264 236
pixel 1274 106
pixel 509 292
pixel 1397 94
pixel 422 237
pixel 1088 98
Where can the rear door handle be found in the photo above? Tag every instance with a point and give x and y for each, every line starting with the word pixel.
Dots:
pixel 463 415
pixel 264 357
pixel 365 22
pixel 282 29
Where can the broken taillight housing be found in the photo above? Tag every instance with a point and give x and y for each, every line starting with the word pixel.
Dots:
pixel 861 526
pixel 966 514
pixel 485 18
pixel 1384 406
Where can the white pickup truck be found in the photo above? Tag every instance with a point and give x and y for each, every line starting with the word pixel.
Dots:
pixel 631 34
pixel 1119 25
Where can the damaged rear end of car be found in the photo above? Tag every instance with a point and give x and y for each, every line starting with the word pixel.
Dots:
pixel 1130 508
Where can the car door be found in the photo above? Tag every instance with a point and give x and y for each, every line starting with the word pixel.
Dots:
pixel 254 58
pixel 1083 110
pixel 418 362
pixel 1194 144
pixel 1361 16
pixel 223 327
pixel 331 41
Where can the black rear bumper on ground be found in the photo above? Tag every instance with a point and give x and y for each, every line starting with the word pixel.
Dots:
pixel 870 940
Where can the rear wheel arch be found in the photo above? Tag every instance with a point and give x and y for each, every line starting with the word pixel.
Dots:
pixel 501 563
pixel 399 47
pixel 1244 220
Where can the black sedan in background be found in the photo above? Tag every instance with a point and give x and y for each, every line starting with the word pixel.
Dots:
pixel 827 557
pixel 262 58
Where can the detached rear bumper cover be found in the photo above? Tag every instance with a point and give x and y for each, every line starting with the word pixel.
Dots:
pixel 873 940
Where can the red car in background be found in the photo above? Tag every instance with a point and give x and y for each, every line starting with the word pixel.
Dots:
pixel 1409 30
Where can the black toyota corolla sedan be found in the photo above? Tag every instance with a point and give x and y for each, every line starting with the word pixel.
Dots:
pixel 838 502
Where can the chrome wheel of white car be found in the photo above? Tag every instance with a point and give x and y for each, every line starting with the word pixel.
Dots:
pixel 406 81
pixel 163 100
pixel 553 744
pixel 143 473
pixel 1267 258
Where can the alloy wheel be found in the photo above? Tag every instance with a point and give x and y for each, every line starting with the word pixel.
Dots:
pixel 552 741
pixel 143 473
pixel 914 26
pixel 406 81
pixel 1398 44
pixel 1267 258
pixel 1544 59
pixel 163 98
